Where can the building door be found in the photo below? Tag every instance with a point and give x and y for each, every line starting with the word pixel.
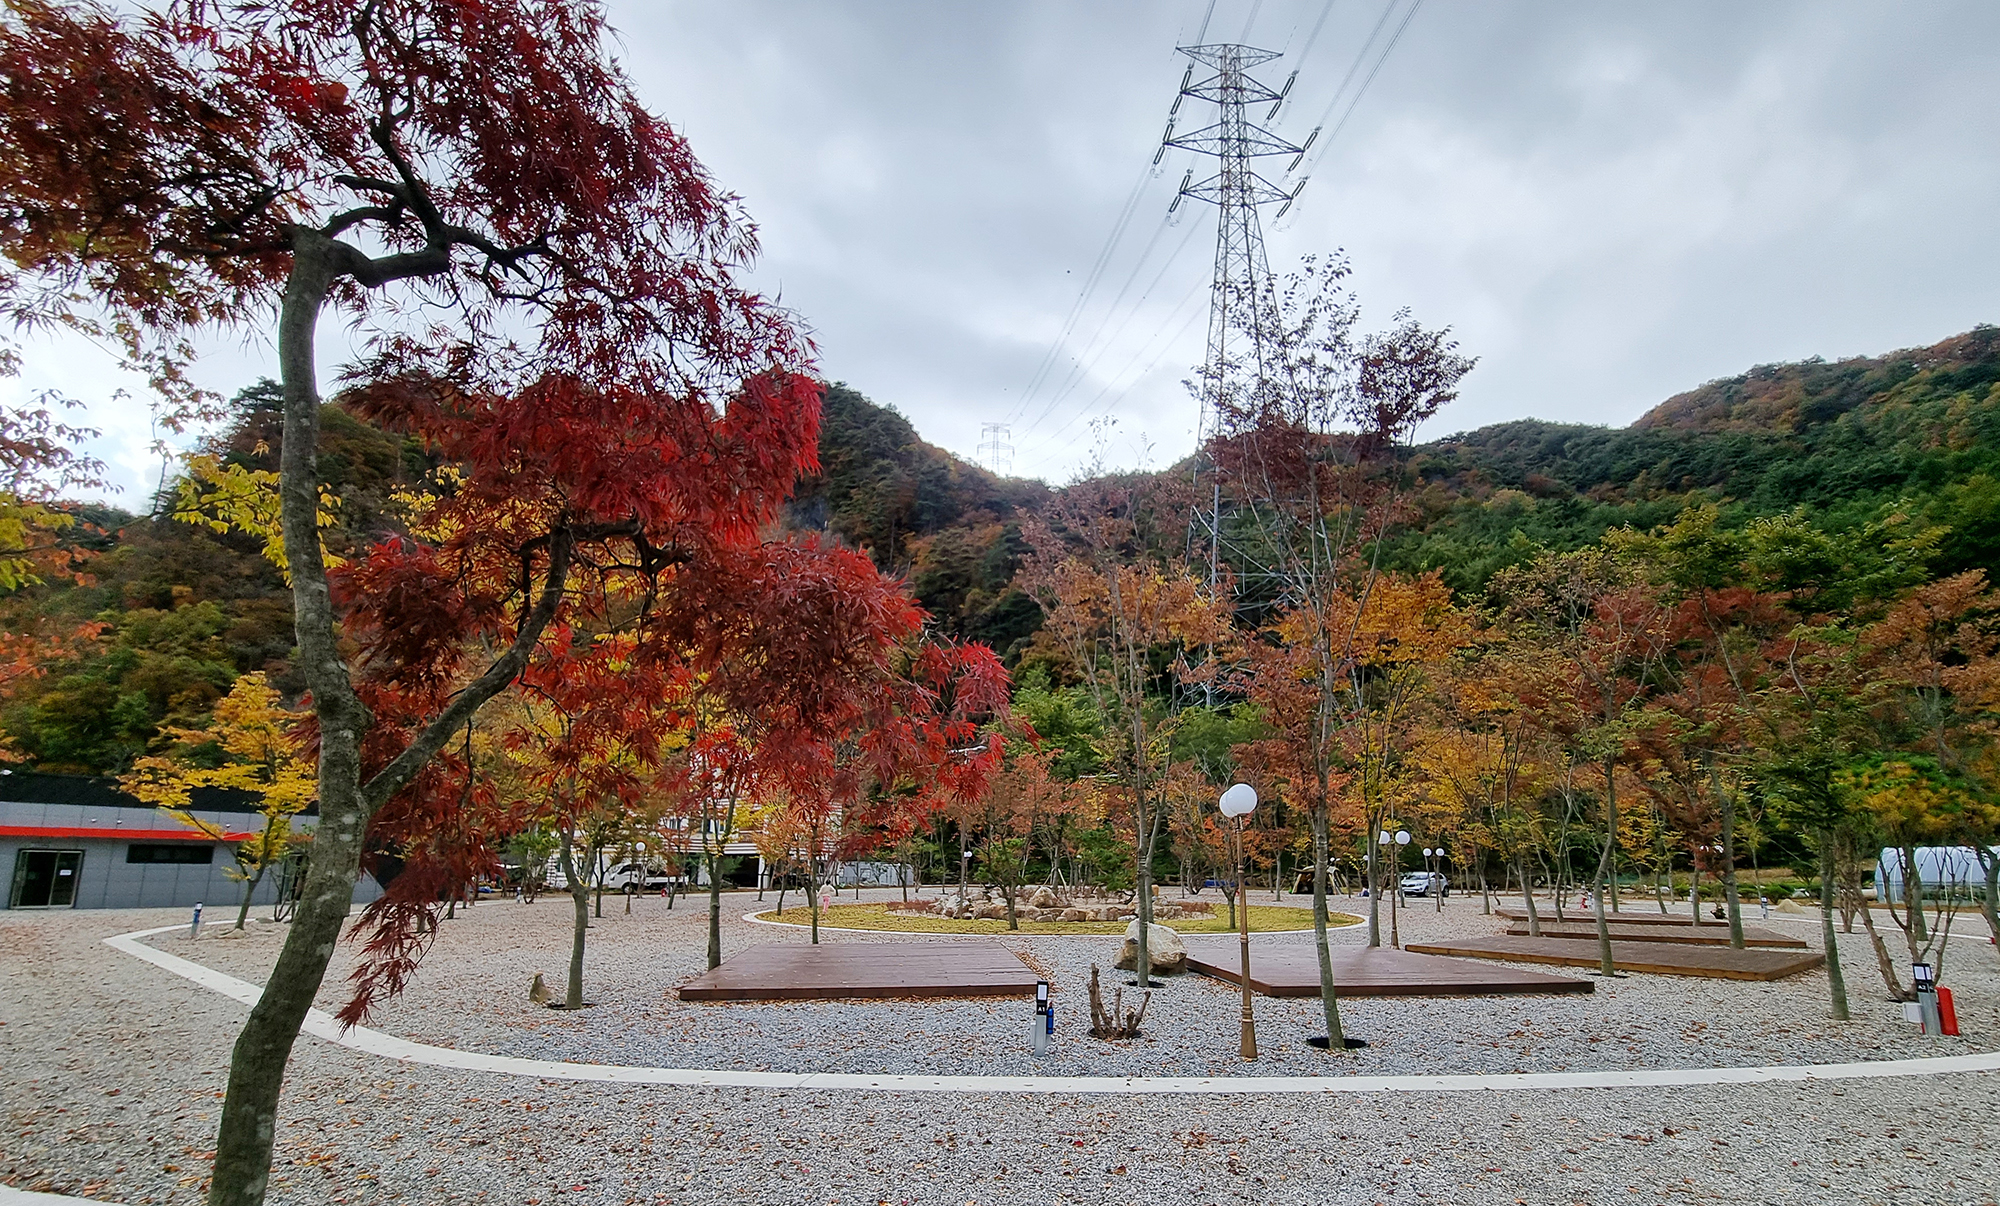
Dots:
pixel 46 879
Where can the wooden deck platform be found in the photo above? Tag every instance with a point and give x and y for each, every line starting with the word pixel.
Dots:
pixel 1686 935
pixel 1627 917
pixel 1661 958
pixel 787 971
pixel 1292 970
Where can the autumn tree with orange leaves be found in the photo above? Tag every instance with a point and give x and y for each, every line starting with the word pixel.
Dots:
pixel 1125 623
pixel 1306 457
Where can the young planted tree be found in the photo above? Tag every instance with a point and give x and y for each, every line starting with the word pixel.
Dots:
pixel 543 278
pixel 1935 655
pixel 1022 801
pixel 590 737
pixel 1809 723
pixel 1607 627
pixel 1400 638
pixel 251 747
pixel 1306 454
pixel 1120 617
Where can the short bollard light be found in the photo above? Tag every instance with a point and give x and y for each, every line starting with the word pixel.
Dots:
pixel 194 927
pixel 1044 1028
pixel 1927 999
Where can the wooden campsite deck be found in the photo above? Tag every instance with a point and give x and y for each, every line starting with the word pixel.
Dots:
pixel 1292 970
pixel 1661 958
pixel 1626 917
pixel 782 971
pixel 1687 935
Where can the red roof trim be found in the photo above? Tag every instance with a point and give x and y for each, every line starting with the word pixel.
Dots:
pixel 129 835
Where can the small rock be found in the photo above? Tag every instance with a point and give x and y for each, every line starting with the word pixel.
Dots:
pixel 1076 915
pixel 538 992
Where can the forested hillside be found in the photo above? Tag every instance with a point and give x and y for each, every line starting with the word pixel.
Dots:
pixel 1912 437
pixel 951 527
pixel 1904 441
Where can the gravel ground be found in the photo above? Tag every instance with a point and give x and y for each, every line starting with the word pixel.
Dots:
pixel 111 1072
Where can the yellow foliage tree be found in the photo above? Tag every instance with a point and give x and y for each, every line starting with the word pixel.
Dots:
pixel 251 746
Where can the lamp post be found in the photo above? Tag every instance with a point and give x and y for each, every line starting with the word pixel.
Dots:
pixel 1236 803
pixel 1433 860
pixel 1396 884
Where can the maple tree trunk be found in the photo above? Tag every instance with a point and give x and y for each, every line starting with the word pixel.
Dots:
pixel 579 894
pixel 241 1172
pixel 1731 902
pixel 812 889
pixel 1373 870
pixel 1528 897
pixel 714 911
pixel 1605 965
pixel 242 1168
pixel 1836 983
pixel 1883 961
pixel 1142 965
pixel 1989 862
pixel 249 890
pixel 1913 900
pixel 1329 1000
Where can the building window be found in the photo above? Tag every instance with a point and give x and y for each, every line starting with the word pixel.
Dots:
pixel 169 852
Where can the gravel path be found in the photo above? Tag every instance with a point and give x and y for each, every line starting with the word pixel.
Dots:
pixel 110 1069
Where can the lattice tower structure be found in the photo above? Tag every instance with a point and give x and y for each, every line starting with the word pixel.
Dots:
pixel 1241 339
pixel 994 449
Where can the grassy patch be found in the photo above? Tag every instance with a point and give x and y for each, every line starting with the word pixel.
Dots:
pixel 1264 919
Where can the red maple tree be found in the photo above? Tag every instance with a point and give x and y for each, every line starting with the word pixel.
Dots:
pixel 543 279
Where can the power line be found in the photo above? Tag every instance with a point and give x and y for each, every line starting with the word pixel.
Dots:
pixel 1130 314
pixel 1091 409
pixel 1362 91
pixel 1078 365
pixel 1083 294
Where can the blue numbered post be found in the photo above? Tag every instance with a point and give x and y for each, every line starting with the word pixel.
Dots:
pixel 1044 1028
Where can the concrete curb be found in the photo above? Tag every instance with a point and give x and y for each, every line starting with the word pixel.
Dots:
pixel 22 1197
pixel 374 1042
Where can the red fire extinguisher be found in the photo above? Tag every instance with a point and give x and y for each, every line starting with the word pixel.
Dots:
pixel 1947 1014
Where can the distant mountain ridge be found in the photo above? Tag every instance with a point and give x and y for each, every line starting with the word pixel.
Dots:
pixel 1849 441
pixel 1793 397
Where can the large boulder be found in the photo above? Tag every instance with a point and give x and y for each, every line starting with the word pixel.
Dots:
pixel 1165 953
pixel 1076 915
pixel 1043 899
pixel 996 911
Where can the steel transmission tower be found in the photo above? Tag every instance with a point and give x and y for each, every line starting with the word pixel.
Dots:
pixel 1240 341
pixel 994 448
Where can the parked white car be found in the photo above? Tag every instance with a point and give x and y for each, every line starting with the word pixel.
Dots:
pixel 618 877
pixel 1423 883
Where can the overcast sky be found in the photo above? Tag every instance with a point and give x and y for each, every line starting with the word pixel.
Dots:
pixel 1608 203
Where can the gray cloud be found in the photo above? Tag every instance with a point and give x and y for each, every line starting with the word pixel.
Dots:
pixel 1609 203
